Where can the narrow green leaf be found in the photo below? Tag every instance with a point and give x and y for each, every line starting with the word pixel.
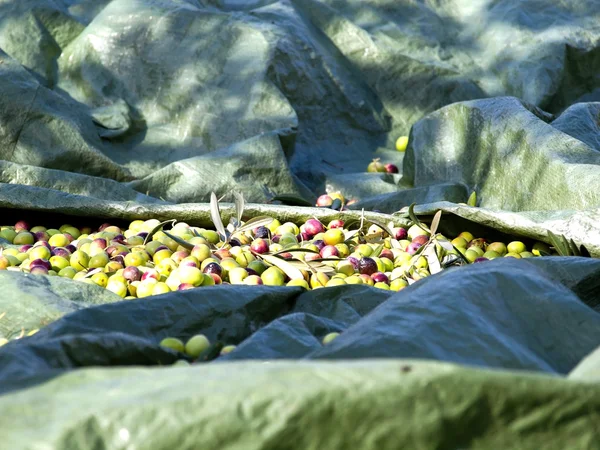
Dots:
pixel 584 251
pixel 324 260
pixel 255 222
pixel 313 266
pixel 157 228
pixel 180 241
pixel 215 215
pixel 574 250
pixel 295 249
pixel 377 251
pixel 413 217
pixel 560 246
pixel 435 222
pixel 212 352
pixel 239 206
pixel 472 199
pixel 286 267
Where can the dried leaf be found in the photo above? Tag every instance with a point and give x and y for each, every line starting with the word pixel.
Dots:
pixel 286 267
pixel 157 228
pixel 255 222
pixel 472 199
pixel 435 222
pixel 2 315
pixel 180 241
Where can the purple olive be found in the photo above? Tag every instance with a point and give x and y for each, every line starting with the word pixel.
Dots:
pixel 132 273
pixel 379 277
pixel 354 261
pixel 319 243
pixel 213 268
pixel 401 234
pixel 413 247
pixel 367 266
pixel 60 251
pixel 262 232
pixel 313 227
pixel 38 270
pixel 40 262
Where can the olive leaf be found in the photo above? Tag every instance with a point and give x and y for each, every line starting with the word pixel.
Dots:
pixel 92 272
pixel 414 219
pixel 325 260
pixel 560 243
pixel 157 228
pixel 432 259
pixel 2 315
pixel 450 260
pixel 239 207
pixel 296 249
pixel 215 215
pixel 313 266
pixel 348 235
pixel 282 264
pixel 377 250
pixel 472 199
pixel 255 222
pixel 180 241
pixel 395 244
pixel 435 222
